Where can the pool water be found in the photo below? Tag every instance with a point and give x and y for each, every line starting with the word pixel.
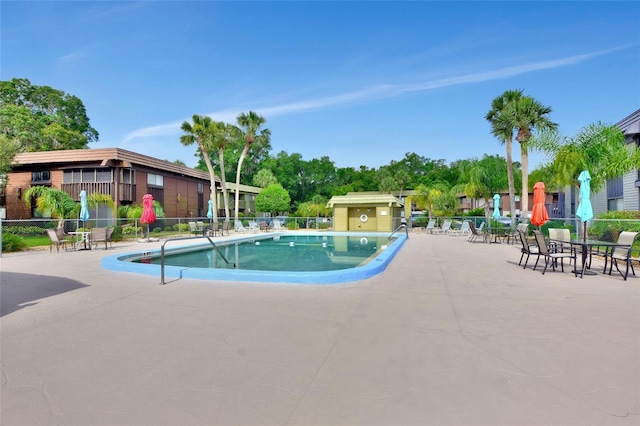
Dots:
pixel 288 257
pixel 282 253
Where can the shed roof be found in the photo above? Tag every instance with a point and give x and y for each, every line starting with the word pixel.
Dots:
pixel 105 155
pixel 357 199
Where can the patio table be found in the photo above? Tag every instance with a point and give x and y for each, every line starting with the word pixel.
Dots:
pixel 587 247
pixel 82 237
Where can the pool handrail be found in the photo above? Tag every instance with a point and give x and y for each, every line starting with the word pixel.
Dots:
pixel 186 238
pixel 402 225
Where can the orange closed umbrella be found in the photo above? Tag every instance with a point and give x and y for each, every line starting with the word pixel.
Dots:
pixel 539 213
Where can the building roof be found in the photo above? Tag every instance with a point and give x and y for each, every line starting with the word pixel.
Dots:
pixel 630 125
pixel 367 198
pixel 106 156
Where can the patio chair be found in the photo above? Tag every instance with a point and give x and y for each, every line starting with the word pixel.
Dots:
pixel 623 253
pixel 464 229
pixel 55 240
pixel 109 234
pixel 200 228
pixel 277 226
pixel 476 232
pixel 446 226
pixel 98 235
pixel 264 226
pixel 215 228
pixel 430 226
pixel 551 257
pixel 240 227
pixel 225 228
pixel 193 228
pixel 528 248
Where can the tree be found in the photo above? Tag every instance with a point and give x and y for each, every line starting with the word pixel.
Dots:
pixel 512 112
pixel 314 208
pixel 250 124
pixel 598 148
pixel 264 178
pixel 498 117
pixel 426 197
pixel 223 135
pixel 273 199
pixel 486 178
pixel 8 150
pixel 52 202
pixel 201 133
pixel 43 118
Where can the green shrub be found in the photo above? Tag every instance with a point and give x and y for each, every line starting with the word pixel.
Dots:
pixel 156 230
pixel 25 230
pixel 11 243
pixel 129 230
pixel 181 227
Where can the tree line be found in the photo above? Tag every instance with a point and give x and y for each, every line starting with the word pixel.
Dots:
pixel 40 118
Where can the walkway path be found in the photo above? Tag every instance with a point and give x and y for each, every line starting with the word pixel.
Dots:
pixel 452 333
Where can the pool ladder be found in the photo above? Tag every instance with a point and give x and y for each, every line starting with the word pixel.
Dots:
pixel 187 238
pixel 401 226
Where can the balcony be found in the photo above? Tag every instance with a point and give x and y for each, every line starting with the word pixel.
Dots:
pixel 126 191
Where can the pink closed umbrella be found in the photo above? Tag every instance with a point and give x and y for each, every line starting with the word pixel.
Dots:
pixel 148 214
pixel 539 214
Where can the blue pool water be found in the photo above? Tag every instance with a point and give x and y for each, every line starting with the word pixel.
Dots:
pixel 321 258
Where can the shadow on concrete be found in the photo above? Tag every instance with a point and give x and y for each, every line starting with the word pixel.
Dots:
pixel 19 291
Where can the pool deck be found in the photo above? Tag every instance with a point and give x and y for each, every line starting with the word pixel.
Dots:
pixel 452 333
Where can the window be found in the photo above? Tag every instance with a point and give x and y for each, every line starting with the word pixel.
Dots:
pixel 103 175
pixel 128 176
pixel 200 188
pixel 40 177
pixel 615 190
pixel 155 180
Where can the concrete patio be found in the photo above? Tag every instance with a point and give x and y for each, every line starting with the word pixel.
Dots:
pixel 452 333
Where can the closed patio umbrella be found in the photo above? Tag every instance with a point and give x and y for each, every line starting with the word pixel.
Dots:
pixel 84 207
pixel 539 214
pixel 585 211
pixel 148 214
pixel 496 206
pixel 210 211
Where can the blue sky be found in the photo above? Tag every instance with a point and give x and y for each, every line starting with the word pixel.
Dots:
pixel 361 82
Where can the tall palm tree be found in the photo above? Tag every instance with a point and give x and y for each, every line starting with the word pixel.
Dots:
pixel 223 135
pixel 512 112
pixel 527 115
pixel 201 132
pixel 249 124
pixel 501 128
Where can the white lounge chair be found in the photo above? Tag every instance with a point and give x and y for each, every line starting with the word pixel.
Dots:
pixel 253 226
pixel 240 227
pixel 465 229
pixel 277 226
pixel 430 226
pixel 446 226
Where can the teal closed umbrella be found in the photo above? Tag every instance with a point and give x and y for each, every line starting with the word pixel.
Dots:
pixel 496 206
pixel 585 210
pixel 84 207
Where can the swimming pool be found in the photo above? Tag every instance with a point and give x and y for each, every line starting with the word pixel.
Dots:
pixel 342 257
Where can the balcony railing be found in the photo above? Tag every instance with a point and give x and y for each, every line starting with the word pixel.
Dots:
pixel 127 191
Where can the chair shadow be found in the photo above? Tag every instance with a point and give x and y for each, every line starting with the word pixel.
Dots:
pixel 18 291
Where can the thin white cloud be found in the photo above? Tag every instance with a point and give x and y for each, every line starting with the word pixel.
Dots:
pixel 378 92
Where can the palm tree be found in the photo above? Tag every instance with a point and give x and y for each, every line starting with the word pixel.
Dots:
pixel 53 202
pixel 250 124
pixel 201 132
pixel 223 135
pixel 501 129
pixel 528 114
pixel 523 114
pixel 598 148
